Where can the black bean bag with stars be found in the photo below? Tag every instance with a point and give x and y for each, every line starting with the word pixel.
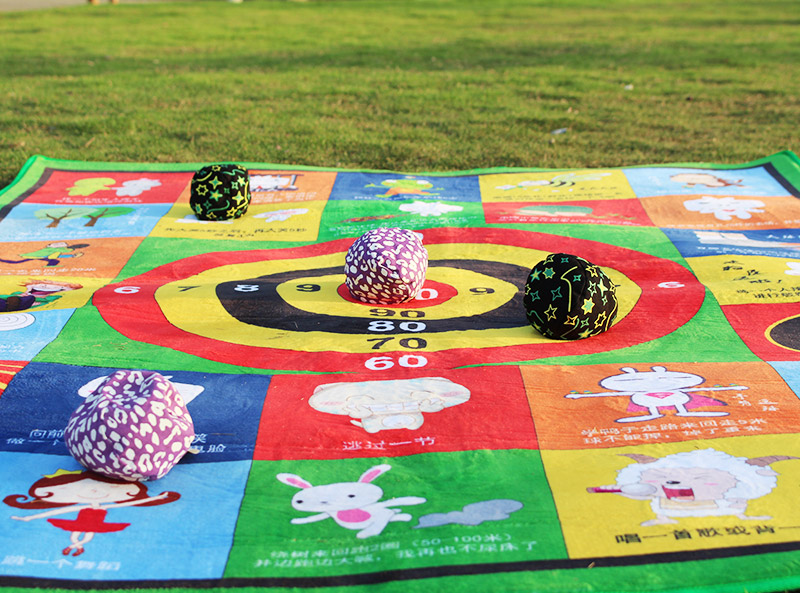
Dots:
pixel 568 298
pixel 220 192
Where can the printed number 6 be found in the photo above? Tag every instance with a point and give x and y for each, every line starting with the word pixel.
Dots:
pixel 409 361
pixel 127 290
pixel 379 363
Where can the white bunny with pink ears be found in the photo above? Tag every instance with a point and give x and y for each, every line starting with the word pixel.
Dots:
pixel 353 505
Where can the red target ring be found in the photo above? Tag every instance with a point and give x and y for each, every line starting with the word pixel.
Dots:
pixel 670 297
pixel 432 293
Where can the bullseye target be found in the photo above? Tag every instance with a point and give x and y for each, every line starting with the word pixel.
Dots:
pixel 288 309
pixel 785 333
pixel 12 321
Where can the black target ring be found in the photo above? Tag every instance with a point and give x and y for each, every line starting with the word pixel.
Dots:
pixel 264 307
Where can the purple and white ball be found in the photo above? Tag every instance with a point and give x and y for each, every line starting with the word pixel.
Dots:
pixel 134 426
pixel 386 266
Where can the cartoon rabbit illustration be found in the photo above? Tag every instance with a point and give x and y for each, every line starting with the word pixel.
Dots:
pixel 657 389
pixel 353 505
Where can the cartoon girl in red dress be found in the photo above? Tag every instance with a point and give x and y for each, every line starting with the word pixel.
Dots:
pixel 88 493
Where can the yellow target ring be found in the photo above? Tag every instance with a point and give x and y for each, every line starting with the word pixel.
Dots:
pixel 193 305
pixel 327 300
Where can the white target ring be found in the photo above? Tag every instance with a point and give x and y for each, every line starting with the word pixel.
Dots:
pixel 12 321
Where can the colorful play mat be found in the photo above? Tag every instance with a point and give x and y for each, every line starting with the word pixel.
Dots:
pixel 440 444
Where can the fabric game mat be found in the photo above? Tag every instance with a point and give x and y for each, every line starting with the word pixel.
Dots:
pixel 662 455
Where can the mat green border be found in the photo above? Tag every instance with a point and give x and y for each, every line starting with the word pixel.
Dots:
pixel 786 162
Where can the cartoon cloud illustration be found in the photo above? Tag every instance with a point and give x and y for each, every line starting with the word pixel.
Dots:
pixel 388 405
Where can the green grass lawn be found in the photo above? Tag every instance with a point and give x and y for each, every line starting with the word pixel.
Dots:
pixel 413 85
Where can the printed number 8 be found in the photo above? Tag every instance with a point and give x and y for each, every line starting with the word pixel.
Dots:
pixel 384 325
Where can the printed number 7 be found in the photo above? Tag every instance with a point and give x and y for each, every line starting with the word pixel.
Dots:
pixel 379 342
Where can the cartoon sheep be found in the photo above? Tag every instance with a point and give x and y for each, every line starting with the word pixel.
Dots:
pixel 700 483
pixel 353 505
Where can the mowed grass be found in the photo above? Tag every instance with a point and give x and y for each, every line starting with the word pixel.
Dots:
pixel 412 85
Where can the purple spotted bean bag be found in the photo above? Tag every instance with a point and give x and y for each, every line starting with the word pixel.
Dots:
pixel 386 266
pixel 134 426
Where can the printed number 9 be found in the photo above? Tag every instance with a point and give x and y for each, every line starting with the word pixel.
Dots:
pixel 410 314
pixel 308 287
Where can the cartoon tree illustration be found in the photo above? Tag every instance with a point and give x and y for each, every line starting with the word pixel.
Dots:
pixel 106 212
pixel 56 215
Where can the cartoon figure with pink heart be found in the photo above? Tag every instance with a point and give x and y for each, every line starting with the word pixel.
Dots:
pixel 654 390
pixel 353 505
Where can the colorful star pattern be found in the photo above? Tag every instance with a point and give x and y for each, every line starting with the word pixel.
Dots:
pixel 568 298
pixel 220 192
